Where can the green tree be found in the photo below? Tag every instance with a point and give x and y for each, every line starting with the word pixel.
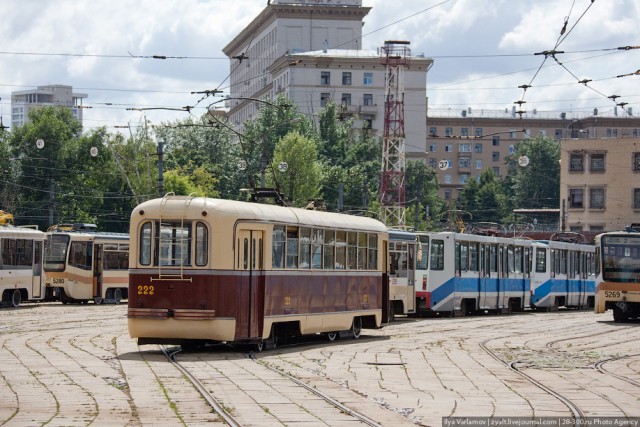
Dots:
pixel 44 167
pixel 335 135
pixel 537 184
pixel 300 180
pixel 486 201
pixel 208 152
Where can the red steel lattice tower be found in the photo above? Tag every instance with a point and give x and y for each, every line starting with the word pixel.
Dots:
pixel 395 56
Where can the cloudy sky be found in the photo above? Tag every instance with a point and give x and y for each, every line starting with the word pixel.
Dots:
pixel 482 50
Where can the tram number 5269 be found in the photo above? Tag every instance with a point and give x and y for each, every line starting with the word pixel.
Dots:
pixel 612 294
pixel 146 290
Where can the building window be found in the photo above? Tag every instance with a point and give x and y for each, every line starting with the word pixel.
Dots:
pixel 576 198
pixel 367 121
pixel 543 132
pixel 448 148
pixel 558 134
pixel 325 78
pixel 464 162
pixel 448 132
pixel 432 148
pixel 478 132
pixel 433 131
pixel 433 163
pixel 478 164
pixel 612 133
pixel 636 162
pixel 496 141
pixel 324 99
pixel 496 156
pixel 464 148
pixel 596 228
pixel 346 99
pixel 478 147
pixel 597 162
pixel 634 133
pixel 464 131
pixel 575 228
pixel 447 178
pixel 368 79
pixel 636 198
pixel 346 78
pixel 512 149
pixel 513 133
pixel 496 171
pixel 576 162
pixel 447 194
pixel 464 177
pixel 596 198
pixel 367 99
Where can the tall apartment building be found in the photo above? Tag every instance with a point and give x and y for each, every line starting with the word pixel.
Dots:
pixel 56 95
pixel 471 143
pixel 309 51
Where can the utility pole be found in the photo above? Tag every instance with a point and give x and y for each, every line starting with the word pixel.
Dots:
pixel 160 170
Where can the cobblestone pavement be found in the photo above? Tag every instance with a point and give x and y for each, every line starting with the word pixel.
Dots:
pixel 66 365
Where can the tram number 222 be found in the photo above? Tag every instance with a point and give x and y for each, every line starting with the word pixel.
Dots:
pixel 146 290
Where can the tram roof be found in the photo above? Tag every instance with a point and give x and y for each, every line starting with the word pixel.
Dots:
pixel 21 232
pixel 194 207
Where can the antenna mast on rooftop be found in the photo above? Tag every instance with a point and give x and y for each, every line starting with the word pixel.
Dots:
pixel 395 55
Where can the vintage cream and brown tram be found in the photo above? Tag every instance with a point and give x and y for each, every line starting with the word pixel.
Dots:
pixel 210 270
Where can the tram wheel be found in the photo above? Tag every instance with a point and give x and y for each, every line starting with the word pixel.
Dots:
pixel 98 300
pixel 259 346
pixel 356 327
pixel 16 298
pixel 117 295
pixel 619 315
pixel 331 336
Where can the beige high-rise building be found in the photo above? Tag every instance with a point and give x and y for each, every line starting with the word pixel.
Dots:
pixel 311 51
pixel 51 95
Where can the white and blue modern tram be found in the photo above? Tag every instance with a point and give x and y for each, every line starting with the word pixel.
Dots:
pixel 564 275
pixel 469 273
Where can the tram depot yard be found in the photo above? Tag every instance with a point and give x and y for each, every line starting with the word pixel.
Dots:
pixel 76 365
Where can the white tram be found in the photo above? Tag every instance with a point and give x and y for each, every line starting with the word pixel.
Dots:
pixel 21 274
pixel 83 264
pixel 402 272
pixel 211 270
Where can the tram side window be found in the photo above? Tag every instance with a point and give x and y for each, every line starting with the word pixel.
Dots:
pixel 462 257
pixel 437 255
pixel 341 250
pixel 422 258
pixel 373 252
pixel 80 255
pixel 493 258
pixel 202 244
pixel 518 259
pixel 292 247
pixel 541 261
pixel 116 259
pixel 473 257
pixel 511 260
pixel 352 250
pixel 145 243
pixel 17 253
pixel 317 236
pixel 329 249
pixel 305 248
pixel 362 251
pixel 277 249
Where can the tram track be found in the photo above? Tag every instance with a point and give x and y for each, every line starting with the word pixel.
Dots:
pixel 578 415
pixel 599 366
pixel 212 401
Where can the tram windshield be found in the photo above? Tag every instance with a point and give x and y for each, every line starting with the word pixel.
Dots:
pixel 621 258
pixel 55 253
